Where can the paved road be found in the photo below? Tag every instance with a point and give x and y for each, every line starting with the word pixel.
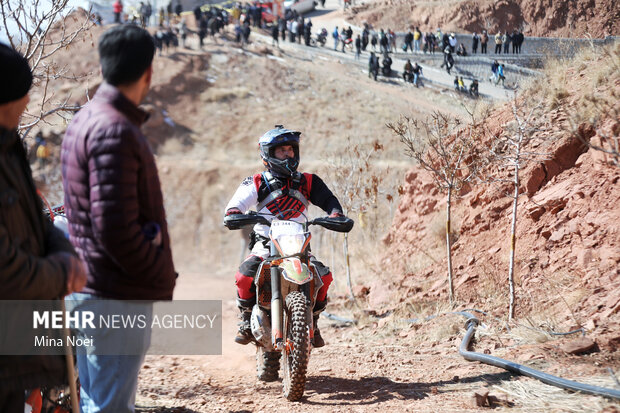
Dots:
pixel 433 76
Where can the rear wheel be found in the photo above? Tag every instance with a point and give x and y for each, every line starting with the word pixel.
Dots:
pixel 267 364
pixel 297 345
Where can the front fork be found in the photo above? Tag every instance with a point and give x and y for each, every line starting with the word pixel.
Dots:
pixel 277 338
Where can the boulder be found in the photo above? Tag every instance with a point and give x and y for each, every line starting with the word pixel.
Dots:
pixel 580 345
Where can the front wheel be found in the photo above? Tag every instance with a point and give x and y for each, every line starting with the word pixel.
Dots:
pixel 297 345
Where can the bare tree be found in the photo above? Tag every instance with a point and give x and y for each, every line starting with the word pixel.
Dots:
pixel 38 30
pixel 596 109
pixel 359 191
pixel 508 157
pixel 445 147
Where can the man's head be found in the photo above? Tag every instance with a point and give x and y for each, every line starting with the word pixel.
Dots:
pixel 126 54
pixel 279 150
pixel 15 82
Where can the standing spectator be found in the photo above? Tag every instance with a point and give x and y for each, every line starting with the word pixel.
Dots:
pixel 417 72
pixel 117 7
pixel 520 39
pixel 383 42
pixel 43 153
pixel 236 13
pixel 484 40
pixel 282 27
pixel 203 28
pixel 373 66
pixel 417 36
pixel 445 42
pixel 274 35
pixel 452 42
pixel 448 59
pixel 301 29
pixel 373 42
pixel 246 32
pixel 506 39
pixel 116 212
pixel 142 13
pixel 408 41
pixel 392 39
pixel 500 74
pixel 431 42
pixel 493 77
pixel 238 32
pixel 182 28
pixel 343 38
pixel 148 12
pixel 515 41
pixel 178 9
pixel 365 36
pixel 498 43
pixel 197 15
pixel 169 12
pixel 358 47
pixel 307 32
pixel 37 261
pixel 293 31
pixel 474 43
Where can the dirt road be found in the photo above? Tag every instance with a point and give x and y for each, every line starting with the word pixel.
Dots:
pixel 362 369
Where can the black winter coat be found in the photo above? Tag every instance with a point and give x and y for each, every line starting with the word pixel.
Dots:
pixel 27 271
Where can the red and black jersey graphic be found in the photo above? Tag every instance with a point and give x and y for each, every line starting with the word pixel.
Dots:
pixel 286 207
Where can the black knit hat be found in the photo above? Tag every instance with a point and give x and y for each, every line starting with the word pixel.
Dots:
pixel 15 75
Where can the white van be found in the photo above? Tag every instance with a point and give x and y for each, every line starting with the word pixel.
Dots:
pixel 300 6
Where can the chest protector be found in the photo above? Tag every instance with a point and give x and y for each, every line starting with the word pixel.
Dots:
pixel 280 197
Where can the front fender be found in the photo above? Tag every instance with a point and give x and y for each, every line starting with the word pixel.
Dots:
pixel 295 271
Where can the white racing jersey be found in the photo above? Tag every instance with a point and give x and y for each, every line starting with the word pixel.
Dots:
pixel 284 199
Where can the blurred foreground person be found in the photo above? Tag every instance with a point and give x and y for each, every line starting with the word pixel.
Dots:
pixel 36 260
pixel 115 209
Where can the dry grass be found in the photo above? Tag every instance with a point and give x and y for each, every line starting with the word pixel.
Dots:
pixel 530 395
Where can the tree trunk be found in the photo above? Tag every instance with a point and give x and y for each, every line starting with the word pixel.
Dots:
pixel 449 246
pixel 345 246
pixel 513 240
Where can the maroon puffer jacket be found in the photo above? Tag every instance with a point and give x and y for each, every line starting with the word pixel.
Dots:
pixel 111 191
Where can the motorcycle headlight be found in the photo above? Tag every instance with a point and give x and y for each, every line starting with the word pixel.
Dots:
pixel 291 244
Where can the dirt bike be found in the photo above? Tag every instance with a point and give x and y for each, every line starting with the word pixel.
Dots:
pixel 321 38
pixel 287 284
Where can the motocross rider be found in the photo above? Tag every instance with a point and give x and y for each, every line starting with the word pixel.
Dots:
pixel 281 190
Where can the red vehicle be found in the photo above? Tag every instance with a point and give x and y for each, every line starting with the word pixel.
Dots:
pixel 267 14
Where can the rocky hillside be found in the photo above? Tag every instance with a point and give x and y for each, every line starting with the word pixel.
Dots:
pixel 568 237
pixel 540 18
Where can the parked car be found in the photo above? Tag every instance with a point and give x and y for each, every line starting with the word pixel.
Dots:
pixel 300 6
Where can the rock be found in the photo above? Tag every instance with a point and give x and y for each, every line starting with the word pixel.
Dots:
pixel 580 345
pixel 471 260
pixel 557 235
pixel 613 344
pixel 535 180
pixel 466 277
pixel 480 398
pixel 500 399
pixel 535 212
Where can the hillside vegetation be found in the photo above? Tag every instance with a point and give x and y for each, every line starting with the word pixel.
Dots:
pixel 568 238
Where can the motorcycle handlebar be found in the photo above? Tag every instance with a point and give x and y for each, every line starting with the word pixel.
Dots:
pixel 238 221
